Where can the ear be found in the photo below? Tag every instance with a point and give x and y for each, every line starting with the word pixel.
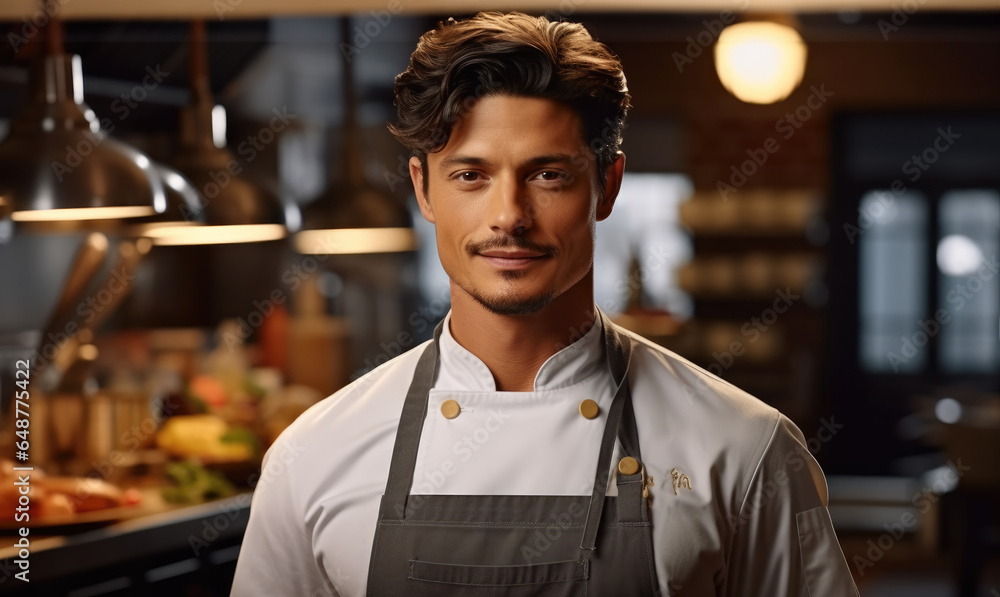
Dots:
pixel 417 176
pixel 611 187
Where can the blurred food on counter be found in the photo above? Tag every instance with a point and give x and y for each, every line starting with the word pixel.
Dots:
pixel 55 499
pixel 184 414
pixel 193 483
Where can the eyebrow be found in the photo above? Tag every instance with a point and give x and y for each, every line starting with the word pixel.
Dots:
pixel 469 160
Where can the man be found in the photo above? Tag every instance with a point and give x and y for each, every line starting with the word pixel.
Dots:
pixel 533 447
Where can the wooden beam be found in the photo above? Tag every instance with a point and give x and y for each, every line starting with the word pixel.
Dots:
pixel 17 10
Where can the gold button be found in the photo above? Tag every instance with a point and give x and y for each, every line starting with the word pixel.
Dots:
pixel 628 466
pixel 589 408
pixel 450 409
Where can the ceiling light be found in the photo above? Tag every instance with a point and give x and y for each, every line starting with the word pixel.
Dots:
pixel 353 216
pixel 237 209
pixel 760 62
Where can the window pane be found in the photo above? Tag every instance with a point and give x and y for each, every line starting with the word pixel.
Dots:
pixel 644 221
pixel 893 265
pixel 968 283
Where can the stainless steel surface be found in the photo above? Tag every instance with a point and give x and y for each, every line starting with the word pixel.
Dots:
pixel 57 158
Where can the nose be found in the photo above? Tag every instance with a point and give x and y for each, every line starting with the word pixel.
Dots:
pixel 509 209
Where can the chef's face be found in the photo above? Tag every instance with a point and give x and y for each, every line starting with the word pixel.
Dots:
pixel 514 197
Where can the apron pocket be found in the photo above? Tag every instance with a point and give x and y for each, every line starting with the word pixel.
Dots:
pixel 556 578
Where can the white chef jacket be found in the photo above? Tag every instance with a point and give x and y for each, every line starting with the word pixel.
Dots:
pixel 744 513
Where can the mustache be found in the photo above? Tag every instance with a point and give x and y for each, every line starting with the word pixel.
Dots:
pixel 509 242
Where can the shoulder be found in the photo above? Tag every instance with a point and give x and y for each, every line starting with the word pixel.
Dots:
pixel 702 424
pixel 688 391
pixel 368 406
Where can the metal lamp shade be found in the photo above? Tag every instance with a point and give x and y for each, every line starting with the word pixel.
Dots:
pixel 353 218
pixel 57 165
pixel 235 209
pixel 183 210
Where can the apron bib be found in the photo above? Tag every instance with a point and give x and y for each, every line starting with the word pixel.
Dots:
pixel 516 545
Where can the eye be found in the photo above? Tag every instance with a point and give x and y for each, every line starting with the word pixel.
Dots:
pixel 553 176
pixel 469 176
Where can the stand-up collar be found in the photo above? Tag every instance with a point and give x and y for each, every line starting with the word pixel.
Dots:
pixel 460 370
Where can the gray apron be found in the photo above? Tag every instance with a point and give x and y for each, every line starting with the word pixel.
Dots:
pixel 517 545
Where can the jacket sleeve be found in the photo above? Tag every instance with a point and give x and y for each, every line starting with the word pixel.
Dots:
pixel 276 557
pixel 783 541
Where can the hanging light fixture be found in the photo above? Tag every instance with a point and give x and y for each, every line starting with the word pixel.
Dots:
pixel 761 61
pixel 353 216
pixel 236 209
pixel 57 165
pixel 183 210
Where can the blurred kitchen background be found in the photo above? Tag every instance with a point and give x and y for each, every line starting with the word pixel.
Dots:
pixel 811 211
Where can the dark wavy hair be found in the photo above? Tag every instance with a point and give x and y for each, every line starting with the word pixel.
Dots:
pixel 494 53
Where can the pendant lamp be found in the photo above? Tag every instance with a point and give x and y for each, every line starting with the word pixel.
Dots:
pixel 761 61
pixel 236 209
pixel 183 210
pixel 183 206
pixel 353 216
pixel 57 165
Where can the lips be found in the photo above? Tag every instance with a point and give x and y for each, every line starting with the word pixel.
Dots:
pixel 512 254
pixel 511 259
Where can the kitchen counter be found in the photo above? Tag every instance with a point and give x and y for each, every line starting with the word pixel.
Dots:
pixel 164 550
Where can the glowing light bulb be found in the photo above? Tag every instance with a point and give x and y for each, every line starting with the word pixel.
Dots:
pixel 760 62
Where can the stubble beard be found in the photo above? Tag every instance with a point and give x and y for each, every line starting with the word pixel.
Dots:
pixel 507 303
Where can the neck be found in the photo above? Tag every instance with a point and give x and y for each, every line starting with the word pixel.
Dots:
pixel 514 347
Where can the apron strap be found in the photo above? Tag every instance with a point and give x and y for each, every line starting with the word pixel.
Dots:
pixel 621 423
pixel 411 424
pixel 619 353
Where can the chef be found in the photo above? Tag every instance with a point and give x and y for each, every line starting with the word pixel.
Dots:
pixel 533 447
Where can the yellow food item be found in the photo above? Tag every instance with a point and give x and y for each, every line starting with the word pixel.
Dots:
pixel 201 437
